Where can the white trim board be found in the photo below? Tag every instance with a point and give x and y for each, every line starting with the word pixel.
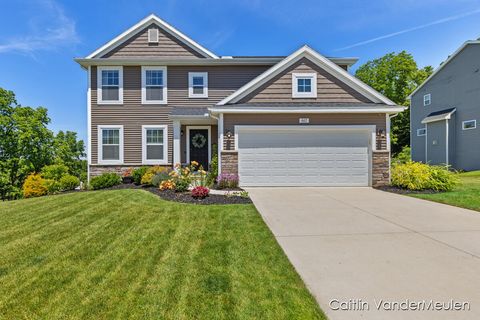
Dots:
pixel 321 61
pixel 144 23
pixel 187 139
pixel 232 109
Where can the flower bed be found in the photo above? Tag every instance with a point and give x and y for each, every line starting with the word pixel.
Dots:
pixel 186 197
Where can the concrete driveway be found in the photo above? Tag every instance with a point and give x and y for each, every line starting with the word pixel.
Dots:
pixel 357 248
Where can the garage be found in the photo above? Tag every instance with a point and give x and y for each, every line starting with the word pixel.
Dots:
pixel 304 155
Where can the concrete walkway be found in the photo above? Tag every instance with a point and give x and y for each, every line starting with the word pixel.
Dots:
pixel 363 247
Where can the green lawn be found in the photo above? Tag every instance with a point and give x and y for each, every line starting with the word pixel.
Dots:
pixel 466 195
pixel 127 254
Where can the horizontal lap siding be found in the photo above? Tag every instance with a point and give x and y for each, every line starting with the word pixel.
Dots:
pixel 132 115
pixel 329 89
pixel 138 46
pixel 231 120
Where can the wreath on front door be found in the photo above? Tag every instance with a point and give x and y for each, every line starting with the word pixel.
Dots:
pixel 199 141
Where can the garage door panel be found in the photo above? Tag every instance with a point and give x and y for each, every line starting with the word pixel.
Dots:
pixel 304 158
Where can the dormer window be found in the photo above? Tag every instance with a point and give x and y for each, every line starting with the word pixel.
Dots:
pixel 427 100
pixel 198 84
pixel 153 35
pixel 304 85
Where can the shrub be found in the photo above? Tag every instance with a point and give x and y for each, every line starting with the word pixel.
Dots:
pixel 181 185
pixel 147 178
pixel 34 186
pixel 151 172
pixel 53 186
pixel 182 177
pixel 106 180
pixel 159 178
pixel 227 181
pixel 138 174
pixel 69 182
pixel 402 157
pixel 167 185
pixel 54 171
pixel 420 176
pixel 200 192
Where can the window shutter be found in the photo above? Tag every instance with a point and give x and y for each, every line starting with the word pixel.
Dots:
pixel 153 35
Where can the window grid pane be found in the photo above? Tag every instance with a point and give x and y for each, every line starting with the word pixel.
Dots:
pixel 304 85
pixel 110 137
pixel 110 78
pixel 154 78
pixel 155 136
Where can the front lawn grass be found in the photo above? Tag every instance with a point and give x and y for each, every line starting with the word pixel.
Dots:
pixel 127 254
pixel 465 195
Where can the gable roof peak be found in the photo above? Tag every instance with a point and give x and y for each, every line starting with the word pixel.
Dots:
pixel 151 18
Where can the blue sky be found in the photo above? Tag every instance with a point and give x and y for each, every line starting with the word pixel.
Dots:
pixel 40 38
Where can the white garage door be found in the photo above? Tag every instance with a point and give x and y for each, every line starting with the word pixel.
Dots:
pixel 303 156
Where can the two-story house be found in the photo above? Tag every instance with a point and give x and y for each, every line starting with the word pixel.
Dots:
pixel 444 112
pixel 156 97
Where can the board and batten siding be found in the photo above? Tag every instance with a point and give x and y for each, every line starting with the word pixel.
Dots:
pixel 329 88
pixel 231 120
pixel 133 114
pixel 167 46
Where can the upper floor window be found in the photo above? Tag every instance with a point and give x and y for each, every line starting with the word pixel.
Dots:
pixel 154 85
pixel 421 132
pixel 469 124
pixel 110 144
pixel 154 144
pixel 427 99
pixel 110 85
pixel 304 85
pixel 198 85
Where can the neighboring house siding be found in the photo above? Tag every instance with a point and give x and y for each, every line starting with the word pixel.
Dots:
pixel 132 114
pixel 167 46
pixel 329 88
pixel 456 85
pixel 230 120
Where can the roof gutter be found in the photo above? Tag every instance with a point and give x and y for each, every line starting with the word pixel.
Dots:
pixel 389 110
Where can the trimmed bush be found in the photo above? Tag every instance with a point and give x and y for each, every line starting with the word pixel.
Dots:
pixel 227 181
pixel 34 186
pixel 151 172
pixel 138 174
pixel 69 182
pixel 200 192
pixel 159 178
pixel 420 176
pixel 402 157
pixel 181 185
pixel 54 171
pixel 53 186
pixel 106 180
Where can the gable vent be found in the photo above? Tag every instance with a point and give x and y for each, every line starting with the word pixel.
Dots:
pixel 153 35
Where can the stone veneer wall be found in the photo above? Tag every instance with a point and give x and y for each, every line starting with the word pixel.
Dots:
pixel 118 169
pixel 380 168
pixel 229 162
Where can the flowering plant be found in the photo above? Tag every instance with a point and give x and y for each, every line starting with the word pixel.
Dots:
pixel 227 181
pixel 167 185
pixel 200 192
pixel 127 173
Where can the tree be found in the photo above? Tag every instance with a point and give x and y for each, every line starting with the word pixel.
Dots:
pixel 70 151
pixel 395 76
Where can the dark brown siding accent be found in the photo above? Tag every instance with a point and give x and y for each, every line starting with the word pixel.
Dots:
pixel 167 46
pixel 230 120
pixel 329 88
pixel 132 114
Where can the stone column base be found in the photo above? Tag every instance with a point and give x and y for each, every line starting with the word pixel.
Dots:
pixel 380 168
pixel 229 161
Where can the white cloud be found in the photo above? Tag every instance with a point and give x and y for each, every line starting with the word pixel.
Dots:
pixel 55 30
pixel 422 26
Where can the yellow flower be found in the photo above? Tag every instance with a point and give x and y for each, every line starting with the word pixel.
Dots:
pixel 177 165
pixel 194 163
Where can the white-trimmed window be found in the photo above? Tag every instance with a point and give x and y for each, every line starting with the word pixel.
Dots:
pixel 427 99
pixel 154 85
pixel 198 84
pixel 110 85
pixel 469 124
pixel 421 132
pixel 110 144
pixel 154 144
pixel 304 85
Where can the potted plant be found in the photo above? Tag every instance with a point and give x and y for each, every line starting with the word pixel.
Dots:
pixel 127 176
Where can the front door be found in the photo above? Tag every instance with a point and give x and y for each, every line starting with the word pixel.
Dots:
pixel 198 149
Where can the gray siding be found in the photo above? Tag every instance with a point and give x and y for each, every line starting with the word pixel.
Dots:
pixel 436 142
pixel 138 46
pixel 329 88
pixel 456 85
pixel 132 114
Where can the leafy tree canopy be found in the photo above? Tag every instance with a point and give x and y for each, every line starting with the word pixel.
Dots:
pixel 395 75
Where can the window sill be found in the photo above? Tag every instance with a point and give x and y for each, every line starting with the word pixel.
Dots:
pixel 155 162
pixel 110 102
pixel 153 102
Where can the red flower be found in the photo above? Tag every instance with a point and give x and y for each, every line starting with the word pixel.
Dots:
pixel 200 192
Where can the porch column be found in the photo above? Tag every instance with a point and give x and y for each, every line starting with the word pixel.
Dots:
pixel 176 142
pixel 220 142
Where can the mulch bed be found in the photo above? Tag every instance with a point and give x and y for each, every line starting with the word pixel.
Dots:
pixel 186 197
pixel 398 190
